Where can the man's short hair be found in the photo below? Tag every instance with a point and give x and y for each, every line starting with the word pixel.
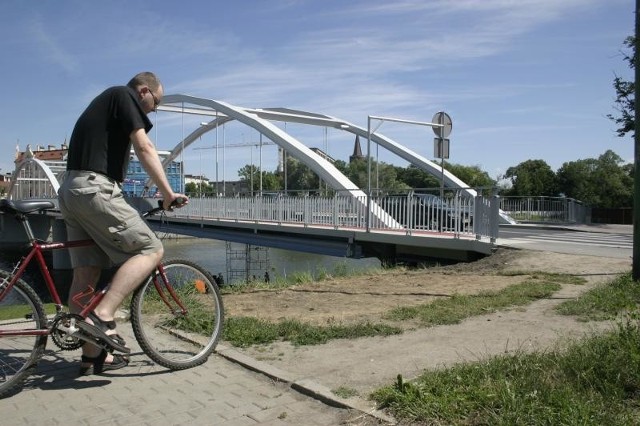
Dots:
pixel 145 78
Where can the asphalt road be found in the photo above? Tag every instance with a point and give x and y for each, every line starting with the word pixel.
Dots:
pixel 608 241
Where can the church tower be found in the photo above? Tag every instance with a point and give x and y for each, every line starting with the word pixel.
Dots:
pixel 357 151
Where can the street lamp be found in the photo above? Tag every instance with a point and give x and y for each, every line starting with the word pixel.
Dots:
pixel 441 125
pixel 216 148
pixel 217 190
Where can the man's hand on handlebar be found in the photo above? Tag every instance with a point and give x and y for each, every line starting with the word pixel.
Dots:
pixel 178 200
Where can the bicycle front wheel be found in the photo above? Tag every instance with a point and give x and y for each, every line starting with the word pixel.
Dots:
pixel 21 311
pixel 178 320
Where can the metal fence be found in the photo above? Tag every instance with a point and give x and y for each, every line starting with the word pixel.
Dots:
pixel 545 209
pixel 457 215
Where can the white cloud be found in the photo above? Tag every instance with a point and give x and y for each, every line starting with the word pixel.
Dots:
pixel 50 48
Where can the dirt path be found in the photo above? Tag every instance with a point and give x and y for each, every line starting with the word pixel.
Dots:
pixel 369 363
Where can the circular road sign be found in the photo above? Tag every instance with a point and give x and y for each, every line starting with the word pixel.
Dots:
pixel 444 119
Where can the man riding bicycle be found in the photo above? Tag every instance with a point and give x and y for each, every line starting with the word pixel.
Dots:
pixel 93 206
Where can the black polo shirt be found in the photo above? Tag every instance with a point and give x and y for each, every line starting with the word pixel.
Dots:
pixel 100 139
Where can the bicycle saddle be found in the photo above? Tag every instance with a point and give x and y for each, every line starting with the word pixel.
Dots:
pixel 24 206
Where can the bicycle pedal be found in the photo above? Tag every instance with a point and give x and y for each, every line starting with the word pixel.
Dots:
pixel 92 334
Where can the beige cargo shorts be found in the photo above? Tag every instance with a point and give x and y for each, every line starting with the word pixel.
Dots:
pixel 93 207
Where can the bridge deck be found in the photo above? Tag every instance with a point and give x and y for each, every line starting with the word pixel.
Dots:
pixel 337 226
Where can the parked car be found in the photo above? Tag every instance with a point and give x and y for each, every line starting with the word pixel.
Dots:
pixel 429 212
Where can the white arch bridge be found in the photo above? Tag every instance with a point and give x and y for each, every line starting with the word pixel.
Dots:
pixel 349 222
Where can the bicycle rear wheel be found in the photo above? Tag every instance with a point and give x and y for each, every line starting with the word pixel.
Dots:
pixel 20 309
pixel 174 337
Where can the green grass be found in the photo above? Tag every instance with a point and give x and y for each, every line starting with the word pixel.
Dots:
pixel 247 331
pixel 604 302
pixel 458 307
pixel 345 392
pixel 340 269
pixel 19 311
pixel 592 381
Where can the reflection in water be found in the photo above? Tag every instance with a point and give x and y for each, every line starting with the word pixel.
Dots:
pixel 212 255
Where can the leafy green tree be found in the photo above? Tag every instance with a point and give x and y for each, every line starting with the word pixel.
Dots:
pixel 356 172
pixel 197 188
pixel 414 177
pixel 602 182
pixel 473 176
pixel 248 173
pixel 383 176
pixel 574 180
pixel 386 178
pixel 251 174
pixel 271 181
pixel 301 177
pixel 532 178
pixel 625 97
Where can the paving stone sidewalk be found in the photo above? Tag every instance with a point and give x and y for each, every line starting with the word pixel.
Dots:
pixel 220 392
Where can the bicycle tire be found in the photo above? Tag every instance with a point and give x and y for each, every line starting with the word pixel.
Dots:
pixel 20 308
pixel 174 340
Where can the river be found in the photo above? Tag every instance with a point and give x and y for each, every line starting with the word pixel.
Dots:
pixel 212 255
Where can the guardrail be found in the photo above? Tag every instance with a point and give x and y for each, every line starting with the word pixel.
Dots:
pixel 457 215
pixel 545 209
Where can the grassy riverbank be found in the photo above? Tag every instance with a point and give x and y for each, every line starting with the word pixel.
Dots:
pixel 246 331
pixel 592 381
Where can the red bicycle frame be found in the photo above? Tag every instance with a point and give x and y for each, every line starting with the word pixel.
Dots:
pixel 36 252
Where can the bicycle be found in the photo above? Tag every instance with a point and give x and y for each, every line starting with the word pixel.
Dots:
pixel 176 314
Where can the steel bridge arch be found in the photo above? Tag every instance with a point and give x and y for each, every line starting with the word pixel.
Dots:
pixel 327 171
pixel 41 180
pixel 258 119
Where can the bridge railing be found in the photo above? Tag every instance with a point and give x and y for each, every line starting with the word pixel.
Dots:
pixel 457 215
pixel 545 209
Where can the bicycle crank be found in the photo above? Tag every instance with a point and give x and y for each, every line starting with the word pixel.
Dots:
pixel 60 333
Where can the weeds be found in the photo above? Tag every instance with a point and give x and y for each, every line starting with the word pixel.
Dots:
pixel 604 302
pixel 247 331
pixel 345 392
pixel 592 381
pixel 340 269
pixel 458 307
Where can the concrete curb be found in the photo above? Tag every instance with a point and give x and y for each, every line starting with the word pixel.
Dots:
pixel 302 385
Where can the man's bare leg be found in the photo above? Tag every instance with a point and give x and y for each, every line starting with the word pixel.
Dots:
pixel 128 277
pixel 83 277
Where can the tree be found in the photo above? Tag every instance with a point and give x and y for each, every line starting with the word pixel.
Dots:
pixel 625 94
pixel 383 176
pixel 300 177
pixel 386 178
pixel 574 181
pixel 251 174
pixel 602 182
pixel 271 181
pixel 532 178
pixel 473 176
pixel 414 177
pixel 194 189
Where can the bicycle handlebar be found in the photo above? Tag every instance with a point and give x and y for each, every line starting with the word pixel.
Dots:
pixel 177 202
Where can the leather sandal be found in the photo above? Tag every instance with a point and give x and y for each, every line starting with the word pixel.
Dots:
pixel 98 365
pixel 98 330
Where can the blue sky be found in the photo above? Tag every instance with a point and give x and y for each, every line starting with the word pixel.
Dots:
pixel 521 79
